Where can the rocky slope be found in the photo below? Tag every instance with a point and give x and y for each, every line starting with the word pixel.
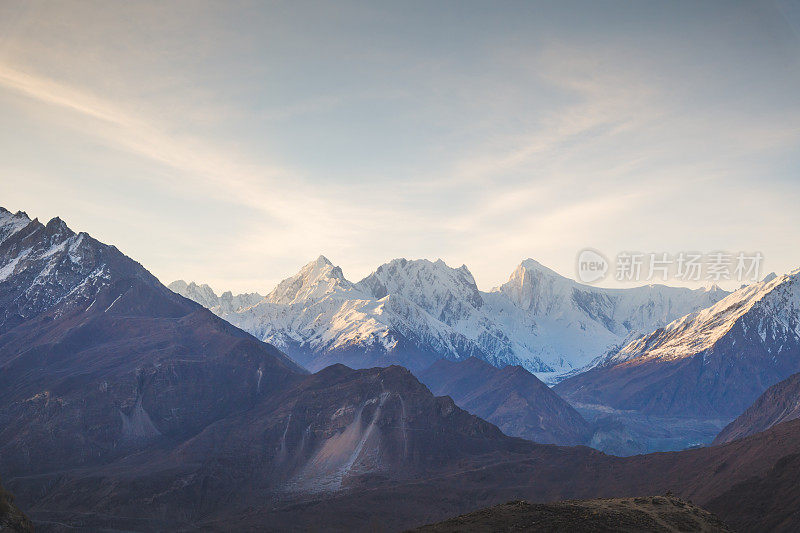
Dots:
pixel 359 449
pixel 715 362
pixel 779 403
pixel 11 518
pixel 98 359
pixel 336 431
pixel 662 514
pixel 750 484
pixel 512 398
pixel 416 312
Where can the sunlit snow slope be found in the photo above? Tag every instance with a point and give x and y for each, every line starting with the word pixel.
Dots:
pixel 416 312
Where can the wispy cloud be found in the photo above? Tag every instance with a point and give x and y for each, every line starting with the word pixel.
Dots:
pixel 482 148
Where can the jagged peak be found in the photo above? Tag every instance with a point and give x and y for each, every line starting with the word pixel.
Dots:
pixel 189 285
pixel 5 213
pixel 202 294
pixel 396 273
pixel 322 261
pixel 438 289
pixel 315 280
pixel 7 217
pixel 56 223
pixel 535 266
pixel 321 268
pixel 11 223
pixel 437 266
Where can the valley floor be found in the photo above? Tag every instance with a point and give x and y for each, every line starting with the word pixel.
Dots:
pixel 626 433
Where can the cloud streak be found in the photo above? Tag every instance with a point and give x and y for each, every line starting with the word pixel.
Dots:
pixel 268 137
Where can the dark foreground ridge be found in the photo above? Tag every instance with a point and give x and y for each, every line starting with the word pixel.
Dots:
pixel 656 513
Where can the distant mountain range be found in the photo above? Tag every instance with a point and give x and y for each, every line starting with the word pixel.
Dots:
pixel 126 406
pixel 223 304
pixel 416 312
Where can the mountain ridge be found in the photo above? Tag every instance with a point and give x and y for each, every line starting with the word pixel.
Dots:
pixel 779 403
pixel 512 398
pixel 714 362
pixel 414 312
pixel 98 357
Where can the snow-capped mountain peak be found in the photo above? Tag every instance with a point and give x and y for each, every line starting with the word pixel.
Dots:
pixel 713 362
pixel 45 265
pixel 448 294
pixel 537 289
pixel 202 294
pixel 315 280
pixel 205 296
pixel 11 223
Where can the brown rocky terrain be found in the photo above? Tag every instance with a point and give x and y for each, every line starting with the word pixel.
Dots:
pixel 511 398
pixel 11 518
pixel 779 403
pixel 656 514
pixel 721 479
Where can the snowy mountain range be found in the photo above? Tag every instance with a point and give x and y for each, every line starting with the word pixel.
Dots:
pixel 775 301
pixel 714 362
pixel 416 312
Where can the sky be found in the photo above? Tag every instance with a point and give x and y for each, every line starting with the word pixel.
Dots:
pixel 232 142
